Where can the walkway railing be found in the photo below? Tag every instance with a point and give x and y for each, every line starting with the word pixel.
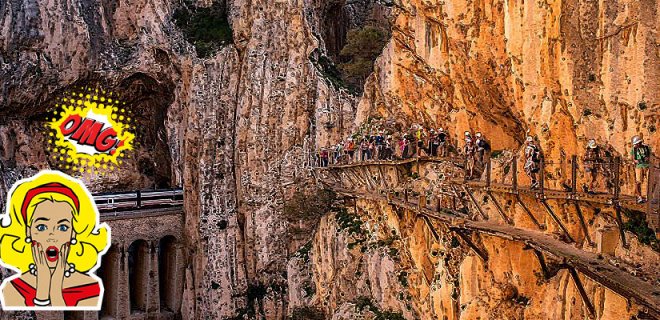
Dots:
pixel 108 203
pixel 565 178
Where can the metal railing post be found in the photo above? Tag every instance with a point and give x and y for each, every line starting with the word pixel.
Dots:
pixel 514 178
pixel 542 176
pixel 617 179
pixel 488 170
pixel 574 173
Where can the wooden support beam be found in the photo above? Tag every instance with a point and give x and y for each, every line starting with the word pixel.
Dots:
pixel 383 177
pixel 583 224
pixel 529 213
pixel 499 208
pixel 514 174
pixel 619 222
pixel 544 266
pixel 431 227
pixel 557 221
pixel 481 253
pixel 471 196
pixel 583 293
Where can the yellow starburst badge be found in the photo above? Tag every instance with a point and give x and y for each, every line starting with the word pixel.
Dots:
pixel 89 128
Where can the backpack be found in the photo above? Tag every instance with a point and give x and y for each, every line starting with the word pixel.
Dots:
pixel 642 153
pixel 536 154
pixel 484 145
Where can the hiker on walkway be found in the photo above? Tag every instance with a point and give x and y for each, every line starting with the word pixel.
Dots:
pixel 350 150
pixel 532 161
pixel 324 157
pixel 592 164
pixel 388 149
pixel 434 144
pixel 641 154
pixel 483 149
pixel 419 139
pixel 364 148
pixel 442 142
pixel 339 151
pixel 380 144
pixel 403 147
pixel 469 152
pixel 372 148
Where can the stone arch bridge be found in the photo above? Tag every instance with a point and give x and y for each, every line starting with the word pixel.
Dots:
pixel 143 270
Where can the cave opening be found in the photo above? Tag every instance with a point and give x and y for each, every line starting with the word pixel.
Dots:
pixel 149 99
pixel 354 34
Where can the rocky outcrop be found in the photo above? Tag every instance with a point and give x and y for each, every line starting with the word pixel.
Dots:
pixel 236 129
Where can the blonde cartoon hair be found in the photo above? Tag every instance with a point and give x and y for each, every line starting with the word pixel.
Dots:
pixel 92 238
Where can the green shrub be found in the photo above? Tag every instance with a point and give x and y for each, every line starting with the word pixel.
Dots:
pixel 307 313
pixel 362 48
pixel 206 28
pixel 308 206
pixel 362 303
pixel 637 224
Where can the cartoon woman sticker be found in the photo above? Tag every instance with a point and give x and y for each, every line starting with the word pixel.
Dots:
pixel 51 236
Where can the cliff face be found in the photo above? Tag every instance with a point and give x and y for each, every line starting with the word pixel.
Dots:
pixel 235 130
pixel 563 70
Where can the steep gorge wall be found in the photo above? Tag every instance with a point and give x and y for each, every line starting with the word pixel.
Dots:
pixel 405 269
pixel 566 71
pixel 234 129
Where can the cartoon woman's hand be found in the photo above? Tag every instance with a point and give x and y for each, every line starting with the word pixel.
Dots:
pixel 57 279
pixel 43 272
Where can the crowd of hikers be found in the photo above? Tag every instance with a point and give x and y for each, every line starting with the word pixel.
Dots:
pixel 419 141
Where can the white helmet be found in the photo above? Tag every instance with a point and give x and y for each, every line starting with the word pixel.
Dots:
pixel 440 130
pixel 636 140
pixel 478 134
pixel 591 144
pixel 529 139
pixel 467 133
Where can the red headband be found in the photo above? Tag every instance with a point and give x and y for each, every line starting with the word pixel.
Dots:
pixel 49 187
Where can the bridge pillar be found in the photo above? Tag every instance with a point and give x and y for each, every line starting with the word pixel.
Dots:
pixel 153 296
pixel 123 290
pixel 607 239
pixel 110 273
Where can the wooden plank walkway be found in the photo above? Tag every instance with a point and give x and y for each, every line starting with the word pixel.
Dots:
pixel 623 283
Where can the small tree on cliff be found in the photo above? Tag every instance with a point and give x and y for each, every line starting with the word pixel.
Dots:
pixel 361 50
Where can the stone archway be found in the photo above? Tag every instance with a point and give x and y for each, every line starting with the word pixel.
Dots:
pixel 168 277
pixel 109 274
pixel 138 275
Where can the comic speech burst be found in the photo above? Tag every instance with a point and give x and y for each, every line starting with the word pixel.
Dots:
pixel 89 131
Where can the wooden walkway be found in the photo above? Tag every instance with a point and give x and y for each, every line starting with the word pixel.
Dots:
pixel 623 283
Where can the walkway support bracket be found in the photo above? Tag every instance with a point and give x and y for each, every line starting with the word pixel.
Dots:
pixel 529 213
pixel 557 221
pixel 583 293
pixel 619 222
pixel 583 224
pixel 431 227
pixel 481 253
pixel 499 209
pixel 474 201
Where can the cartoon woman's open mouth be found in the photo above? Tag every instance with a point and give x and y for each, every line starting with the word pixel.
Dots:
pixel 51 253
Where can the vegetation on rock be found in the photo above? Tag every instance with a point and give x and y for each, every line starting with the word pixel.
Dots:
pixel 637 224
pixel 363 303
pixel 362 48
pixel 307 313
pixel 206 28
